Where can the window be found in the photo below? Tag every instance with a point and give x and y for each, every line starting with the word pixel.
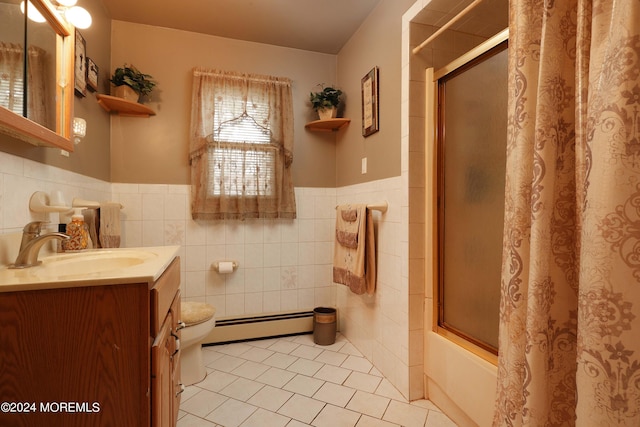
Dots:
pixel 242 158
pixel 244 124
pixel 11 74
pixel 12 87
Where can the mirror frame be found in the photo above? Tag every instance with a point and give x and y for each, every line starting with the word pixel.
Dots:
pixel 29 131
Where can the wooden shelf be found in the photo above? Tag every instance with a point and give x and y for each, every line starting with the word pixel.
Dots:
pixel 327 125
pixel 123 107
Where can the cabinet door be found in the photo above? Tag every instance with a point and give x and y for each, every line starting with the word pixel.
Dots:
pixel 84 344
pixel 175 362
pixel 161 376
pixel 163 294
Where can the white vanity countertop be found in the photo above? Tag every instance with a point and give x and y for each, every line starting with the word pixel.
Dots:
pixel 91 267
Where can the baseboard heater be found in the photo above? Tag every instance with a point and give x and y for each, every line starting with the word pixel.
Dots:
pixel 235 329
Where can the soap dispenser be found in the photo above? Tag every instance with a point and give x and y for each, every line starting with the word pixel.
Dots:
pixel 78 232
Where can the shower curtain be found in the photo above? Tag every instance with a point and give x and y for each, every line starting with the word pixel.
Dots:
pixel 570 304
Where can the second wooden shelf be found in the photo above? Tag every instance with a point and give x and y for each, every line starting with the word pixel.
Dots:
pixel 327 125
pixel 121 106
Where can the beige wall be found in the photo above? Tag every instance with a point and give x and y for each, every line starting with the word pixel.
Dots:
pixel 91 157
pixel 376 43
pixel 155 150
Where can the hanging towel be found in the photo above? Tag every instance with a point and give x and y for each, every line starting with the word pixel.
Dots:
pixel 110 225
pixel 92 219
pixel 354 256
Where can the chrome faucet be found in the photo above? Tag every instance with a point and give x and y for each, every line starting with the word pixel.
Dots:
pixel 31 243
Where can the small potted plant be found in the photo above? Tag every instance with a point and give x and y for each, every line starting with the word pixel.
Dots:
pixel 128 79
pixel 326 102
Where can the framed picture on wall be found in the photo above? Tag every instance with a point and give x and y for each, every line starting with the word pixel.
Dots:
pixel 92 75
pixel 370 110
pixel 80 66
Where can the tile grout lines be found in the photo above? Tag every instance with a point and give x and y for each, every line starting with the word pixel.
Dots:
pixel 293 382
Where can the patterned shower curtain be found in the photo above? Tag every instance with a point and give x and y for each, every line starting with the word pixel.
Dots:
pixel 570 305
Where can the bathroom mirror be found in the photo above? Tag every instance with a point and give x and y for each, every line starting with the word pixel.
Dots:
pixel 36 84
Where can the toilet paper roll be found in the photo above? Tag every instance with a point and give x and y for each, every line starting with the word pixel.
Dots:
pixel 225 267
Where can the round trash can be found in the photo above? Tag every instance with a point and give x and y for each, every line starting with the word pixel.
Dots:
pixel 324 325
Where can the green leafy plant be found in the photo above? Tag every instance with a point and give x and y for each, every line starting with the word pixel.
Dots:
pixel 327 98
pixel 129 75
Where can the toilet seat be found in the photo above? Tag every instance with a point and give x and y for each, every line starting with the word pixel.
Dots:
pixel 193 312
pixel 199 320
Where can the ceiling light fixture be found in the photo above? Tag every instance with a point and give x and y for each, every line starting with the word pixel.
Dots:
pixel 32 12
pixel 77 16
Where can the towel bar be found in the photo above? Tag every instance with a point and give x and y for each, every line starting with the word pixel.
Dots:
pixel 381 206
pixel 77 202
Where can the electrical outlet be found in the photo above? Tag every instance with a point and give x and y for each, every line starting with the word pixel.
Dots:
pixel 364 165
pixel 64 153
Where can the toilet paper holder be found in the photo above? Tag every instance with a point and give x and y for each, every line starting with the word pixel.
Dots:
pixel 234 265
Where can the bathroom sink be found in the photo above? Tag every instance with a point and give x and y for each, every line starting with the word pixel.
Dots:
pixel 90 268
pixel 86 263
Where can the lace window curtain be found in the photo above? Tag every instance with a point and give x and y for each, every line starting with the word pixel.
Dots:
pixel 12 86
pixel 37 89
pixel 241 147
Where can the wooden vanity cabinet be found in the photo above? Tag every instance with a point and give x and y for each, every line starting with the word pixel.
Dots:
pixel 165 350
pixel 82 356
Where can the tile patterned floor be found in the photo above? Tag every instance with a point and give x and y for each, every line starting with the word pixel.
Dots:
pixel 292 382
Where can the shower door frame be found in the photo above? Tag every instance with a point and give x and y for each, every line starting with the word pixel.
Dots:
pixel 432 99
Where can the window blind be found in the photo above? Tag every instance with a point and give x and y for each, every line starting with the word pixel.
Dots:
pixel 241 160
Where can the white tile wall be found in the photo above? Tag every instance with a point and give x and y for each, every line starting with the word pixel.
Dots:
pixel 19 179
pixel 284 265
pixel 378 325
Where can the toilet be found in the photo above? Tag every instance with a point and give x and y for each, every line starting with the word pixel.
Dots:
pixel 199 319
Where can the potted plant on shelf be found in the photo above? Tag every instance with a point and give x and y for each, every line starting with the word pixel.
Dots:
pixel 326 102
pixel 131 84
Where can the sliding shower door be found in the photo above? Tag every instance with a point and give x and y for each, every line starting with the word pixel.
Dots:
pixel 471 153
